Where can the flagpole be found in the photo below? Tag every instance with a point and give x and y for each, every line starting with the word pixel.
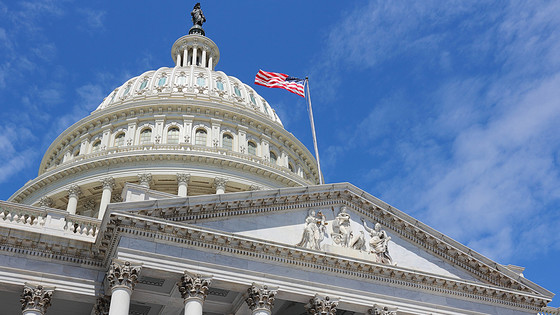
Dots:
pixel 310 111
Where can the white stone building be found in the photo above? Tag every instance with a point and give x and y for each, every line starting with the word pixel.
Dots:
pixel 182 193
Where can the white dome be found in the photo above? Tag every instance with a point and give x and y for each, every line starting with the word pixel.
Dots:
pixel 190 82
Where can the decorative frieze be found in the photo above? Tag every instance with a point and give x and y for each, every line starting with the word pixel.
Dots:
pixel 122 274
pixel 46 202
pixel 321 305
pixel 260 297
pixel 193 286
pixel 36 298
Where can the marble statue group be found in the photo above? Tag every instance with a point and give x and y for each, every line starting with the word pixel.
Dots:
pixel 342 234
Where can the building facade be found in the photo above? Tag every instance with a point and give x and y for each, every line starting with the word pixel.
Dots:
pixel 182 193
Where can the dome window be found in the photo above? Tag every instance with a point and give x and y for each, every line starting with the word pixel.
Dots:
pixel 146 136
pixel 161 81
pixel 251 148
pixel 125 93
pixel 144 84
pixel 220 85
pixel 96 146
pixel 173 135
pixel 200 137
pixel 182 80
pixel 273 158
pixel 236 90
pixel 119 140
pixel 227 141
pixel 252 97
pixel 200 81
pixel 291 167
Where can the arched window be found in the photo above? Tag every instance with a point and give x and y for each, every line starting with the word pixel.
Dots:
pixel 273 158
pixel 227 141
pixel 200 137
pixel 161 81
pixel 144 84
pixel 252 98
pixel 291 167
pixel 146 136
pixel 200 81
pixel 220 85
pixel 119 140
pixel 251 148
pixel 236 90
pixel 181 80
pixel 173 135
pixel 96 146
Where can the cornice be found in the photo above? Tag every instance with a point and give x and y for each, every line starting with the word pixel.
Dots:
pixel 182 234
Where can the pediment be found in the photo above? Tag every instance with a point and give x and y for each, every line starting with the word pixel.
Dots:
pixel 281 217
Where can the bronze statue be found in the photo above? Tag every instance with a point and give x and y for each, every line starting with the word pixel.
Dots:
pixel 197 15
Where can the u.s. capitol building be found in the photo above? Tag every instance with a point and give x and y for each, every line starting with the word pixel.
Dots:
pixel 182 193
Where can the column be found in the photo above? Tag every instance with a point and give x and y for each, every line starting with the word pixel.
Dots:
pixel 260 299
pixel 101 306
pixel 122 276
pixel 178 60
pixel 108 184
pixel 194 52
pixel 203 61
pixel 182 182
pixel 185 57
pixel 321 305
pixel 35 299
pixel 145 179
pixel 210 63
pixel 194 289
pixel 379 310
pixel 220 185
pixel 74 193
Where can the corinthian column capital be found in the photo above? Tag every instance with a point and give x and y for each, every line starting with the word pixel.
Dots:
pixel 183 178
pixel 321 305
pixel 74 191
pixel 260 297
pixel 122 274
pixel 108 183
pixel 194 286
pixel 46 202
pixel 36 298
pixel 101 306
pixel 145 179
pixel 220 183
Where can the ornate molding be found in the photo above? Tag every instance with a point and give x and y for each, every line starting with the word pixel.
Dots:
pixel 108 183
pixel 183 178
pixel 74 191
pixel 260 297
pixel 145 179
pixel 46 202
pixel 122 274
pixel 255 187
pixel 193 286
pixel 101 306
pixel 36 298
pixel 321 305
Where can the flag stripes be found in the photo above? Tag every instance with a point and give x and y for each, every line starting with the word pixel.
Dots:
pixel 281 81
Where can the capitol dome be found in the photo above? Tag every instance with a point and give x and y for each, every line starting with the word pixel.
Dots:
pixel 185 130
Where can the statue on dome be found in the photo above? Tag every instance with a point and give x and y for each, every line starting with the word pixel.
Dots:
pixel 378 243
pixel 197 15
pixel 314 231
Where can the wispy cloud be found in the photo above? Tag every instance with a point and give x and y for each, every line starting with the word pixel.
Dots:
pixel 473 147
pixel 95 19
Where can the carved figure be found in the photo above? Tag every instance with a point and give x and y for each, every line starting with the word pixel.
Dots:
pixel 359 242
pixel 342 231
pixel 378 244
pixel 197 15
pixel 314 231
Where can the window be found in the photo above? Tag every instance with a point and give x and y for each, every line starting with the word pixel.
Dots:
pixel 125 93
pixel 265 108
pixel 144 84
pixel 291 167
pixel 236 90
pixel 227 141
pixel 200 137
pixel 251 148
pixel 273 158
pixel 252 97
pixel 162 81
pixel 119 140
pixel 173 135
pixel 182 79
pixel 96 146
pixel 77 152
pixel 220 85
pixel 201 81
pixel 146 136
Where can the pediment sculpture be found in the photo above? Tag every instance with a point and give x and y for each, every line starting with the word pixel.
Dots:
pixel 314 231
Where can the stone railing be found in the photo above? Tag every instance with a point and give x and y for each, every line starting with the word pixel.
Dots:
pixel 48 221
pixel 549 311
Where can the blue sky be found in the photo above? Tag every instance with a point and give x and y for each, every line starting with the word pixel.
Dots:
pixel 448 110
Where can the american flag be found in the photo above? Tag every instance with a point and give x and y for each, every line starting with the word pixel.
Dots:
pixel 280 80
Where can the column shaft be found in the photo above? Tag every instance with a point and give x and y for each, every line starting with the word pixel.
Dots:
pixel 193 306
pixel 105 199
pixel 72 204
pixel 182 191
pixel 120 301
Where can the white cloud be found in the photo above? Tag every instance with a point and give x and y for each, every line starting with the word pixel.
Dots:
pixel 95 19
